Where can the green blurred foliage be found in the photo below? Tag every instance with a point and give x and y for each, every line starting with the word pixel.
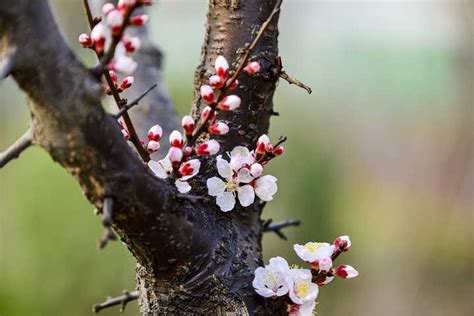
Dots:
pixel 382 151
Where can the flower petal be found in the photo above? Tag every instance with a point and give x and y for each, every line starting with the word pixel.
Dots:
pixel 215 186
pixel 226 201
pixel 245 176
pixel 265 187
pixel 182 186
pixel 246 195
pixel 223 167
pixel 158 169
pixel 239 156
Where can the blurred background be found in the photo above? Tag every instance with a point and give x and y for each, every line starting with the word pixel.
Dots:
pixel 382 151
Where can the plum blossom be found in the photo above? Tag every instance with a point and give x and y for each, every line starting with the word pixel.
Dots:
pixel 273 279
pixel 305 309
pixel 314 251
pixel 241 178
pixel 302 288
pixel 164 169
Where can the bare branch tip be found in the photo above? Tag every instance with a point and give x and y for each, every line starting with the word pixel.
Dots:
pixel 14 151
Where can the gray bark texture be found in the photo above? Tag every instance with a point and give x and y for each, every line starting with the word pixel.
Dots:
pixel 191 257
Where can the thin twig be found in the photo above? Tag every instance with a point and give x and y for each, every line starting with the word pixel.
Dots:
pixel 134 102
pixel 107 219
pixel 16 148
pixel 121 300
pixel 118 100
pixel 277 227
pixel 242 63
pixel 294 81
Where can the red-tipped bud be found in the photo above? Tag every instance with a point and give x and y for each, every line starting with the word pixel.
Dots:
pixel 222 67
pixel 187 151
pixel 190 167
pixel 207 93
pixel 206 112
pixel 325 264
pixel 115 21
pixel 211 147
pixel 188 124
pixel 139 20
pixel 132 44
pixel 127 82
pixel 113 75
pixel 123 4
pixel 216 81
pixel 256 170
pixel 176 139
pixel 125 134
pixel 85 40
pixel 262 143
pixel 278 151
pixel 252 67
pixel 175 155
pixel 155 132
pixel 152 146
pixel 229 103
pixel 219 128
pixel 343 243
pixel 346 271
pixel 234 85
pixel 98 36
pixel 107 8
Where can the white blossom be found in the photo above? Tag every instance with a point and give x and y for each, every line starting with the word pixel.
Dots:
pixel 273 280
pixel 313 251
pixel 302 288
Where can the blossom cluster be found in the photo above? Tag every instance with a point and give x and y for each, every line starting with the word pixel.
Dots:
pixel 111 29
pixel 300 287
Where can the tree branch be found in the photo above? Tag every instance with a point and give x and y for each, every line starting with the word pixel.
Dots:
pixel 134 102
pixel 121 300
pixel 16 148
pixel 277 227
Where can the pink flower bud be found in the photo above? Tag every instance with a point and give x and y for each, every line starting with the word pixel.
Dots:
pixel 152 146
pixel 234 85
pixel 222 67
pixel 278 151
pixel 219 128
pixel 98 36
pixel 127 82
pixel 113 75
pixel 187 122
pixel 115 21
pixel 342 243
pixel 187 151
pixel 189 167
pixel 123 4
pixel 325 264
pixel 262 143
pixel 132 44
pixel 229 103
pixel 175 155
pixel 252 67
pixel 256 170
pixel 123 64
pixel 206 112
pixel 216 81
pixel 106 8
pixel 176 139
pixel 346 271
pixel 211 147
pixel 85 40
pixel 139 20
pixel 155 133
pixel 269 148
pixel 125 134
pixel 207 93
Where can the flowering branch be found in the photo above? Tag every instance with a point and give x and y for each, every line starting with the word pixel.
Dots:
pixel 121 300
pixel 130 105
pixel 16 148
pixel 268 226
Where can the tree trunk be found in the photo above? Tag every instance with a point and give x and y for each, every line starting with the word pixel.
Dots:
pixel 191 257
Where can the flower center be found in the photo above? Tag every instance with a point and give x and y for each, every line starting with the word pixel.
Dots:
pixel 231 185
pixel 302 289
pixel 313 247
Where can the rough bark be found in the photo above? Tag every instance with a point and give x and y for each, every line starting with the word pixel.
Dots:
pixel 191 257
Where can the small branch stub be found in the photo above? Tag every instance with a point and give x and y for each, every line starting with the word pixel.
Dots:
pixel 121 300
pixel 107 219
pixel 16 148
pixel 277 227
pixel 283 75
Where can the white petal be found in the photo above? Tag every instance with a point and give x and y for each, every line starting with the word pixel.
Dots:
pixel 226 201
pixel 246 195
pixel 306 309
pixel 240 155
pixel 215 186
pixel 265 187
pixel 183 186
pixel 223 167
pixel 245 176
pixel 157 168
